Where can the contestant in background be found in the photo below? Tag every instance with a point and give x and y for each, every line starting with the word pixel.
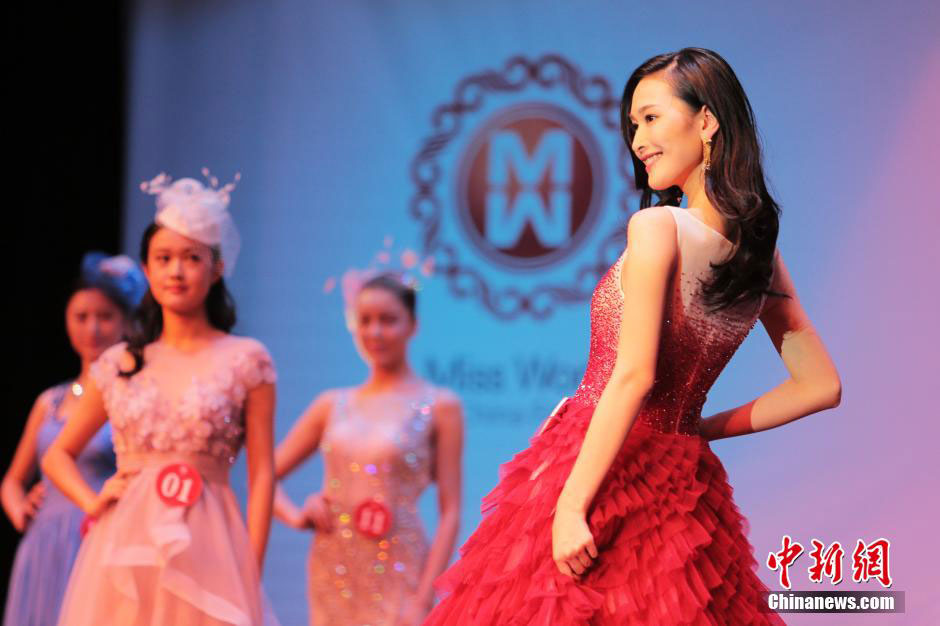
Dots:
pixel 183 396
pixel 99 306
pixel 620 512
pixel 383 442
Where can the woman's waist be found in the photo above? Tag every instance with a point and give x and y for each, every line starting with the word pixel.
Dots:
pixel 657 419
pixel 396 487
pixel 55 504
pixel 348 506
pixel 211 468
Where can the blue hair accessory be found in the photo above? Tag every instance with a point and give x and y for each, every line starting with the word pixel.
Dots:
pixel 119 274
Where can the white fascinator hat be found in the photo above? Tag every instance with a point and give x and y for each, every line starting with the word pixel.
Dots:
pixel 199 212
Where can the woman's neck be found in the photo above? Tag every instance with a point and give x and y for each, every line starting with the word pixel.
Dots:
pixel 694 190
pixel 389 378
pixel 83 374
pixel 187 331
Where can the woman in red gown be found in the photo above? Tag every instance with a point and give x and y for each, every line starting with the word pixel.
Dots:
pixel 619 512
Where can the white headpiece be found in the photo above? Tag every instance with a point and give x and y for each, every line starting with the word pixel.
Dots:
pixel 199 212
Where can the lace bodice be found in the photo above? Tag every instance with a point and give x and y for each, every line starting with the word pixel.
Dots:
pixel 694 345
pixel 190 403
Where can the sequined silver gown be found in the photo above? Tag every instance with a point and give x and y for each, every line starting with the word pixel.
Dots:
pixel 375 450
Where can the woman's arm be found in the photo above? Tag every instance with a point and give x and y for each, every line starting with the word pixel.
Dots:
pixel 813 384
pixel 259 446
pixel 16 504
pixel 87 416
pixel 652 252
pixel 448 450
pixel 302 441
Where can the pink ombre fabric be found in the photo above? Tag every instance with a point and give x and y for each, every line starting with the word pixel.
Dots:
pixel 672 544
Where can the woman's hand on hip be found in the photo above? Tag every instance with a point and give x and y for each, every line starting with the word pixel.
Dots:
pixel 316 514
pixel 111 491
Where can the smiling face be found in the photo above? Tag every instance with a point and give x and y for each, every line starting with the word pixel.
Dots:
pixel 381 326
pixel 93 323
pixel 667 134
pixel 181 271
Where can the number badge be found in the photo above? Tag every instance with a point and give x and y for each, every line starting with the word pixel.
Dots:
pixel 373 519
pixel 179 484
pixel 87 522
pixel 548 420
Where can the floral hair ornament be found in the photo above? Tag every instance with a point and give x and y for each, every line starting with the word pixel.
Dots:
pixel 199 212
pixel 406 266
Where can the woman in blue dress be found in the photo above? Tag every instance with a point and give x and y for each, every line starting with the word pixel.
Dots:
pixel 106 292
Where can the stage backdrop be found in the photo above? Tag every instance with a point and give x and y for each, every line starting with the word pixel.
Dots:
pixel 354 122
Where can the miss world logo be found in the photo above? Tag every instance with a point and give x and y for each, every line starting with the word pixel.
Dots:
pixel 523 187
pixel 530 185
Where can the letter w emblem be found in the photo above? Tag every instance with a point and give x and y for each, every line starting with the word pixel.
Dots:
pixel 552 224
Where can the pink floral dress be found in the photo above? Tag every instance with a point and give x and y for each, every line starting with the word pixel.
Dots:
pixel 153 559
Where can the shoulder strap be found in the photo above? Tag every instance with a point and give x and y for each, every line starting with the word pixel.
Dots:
pixel 341 406
pixel 672 210
pixel 58 396
pixel 426 401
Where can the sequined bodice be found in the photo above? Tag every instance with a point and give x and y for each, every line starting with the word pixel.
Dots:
pixel 694 345
pixel 378 447
pixel 182 402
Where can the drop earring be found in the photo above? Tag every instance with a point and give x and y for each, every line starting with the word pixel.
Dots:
pixel 708 153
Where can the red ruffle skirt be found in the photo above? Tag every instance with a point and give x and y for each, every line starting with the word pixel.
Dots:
pixel 672 544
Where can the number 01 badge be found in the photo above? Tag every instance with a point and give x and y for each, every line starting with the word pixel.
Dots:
pixel 179 484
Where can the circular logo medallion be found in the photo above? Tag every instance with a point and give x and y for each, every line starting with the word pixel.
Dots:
pixel 524 171
pixel 530 185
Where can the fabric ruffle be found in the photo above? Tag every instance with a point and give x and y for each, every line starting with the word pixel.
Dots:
pixel 672 543
pixel 144 562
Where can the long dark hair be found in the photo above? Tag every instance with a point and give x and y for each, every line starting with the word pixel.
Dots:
pixel 735 182
pixel 148 320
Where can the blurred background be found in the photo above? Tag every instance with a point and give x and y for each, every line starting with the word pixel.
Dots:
pixel 356 122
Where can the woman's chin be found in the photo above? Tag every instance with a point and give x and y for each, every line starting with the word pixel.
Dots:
pixel 180 306
pixel 92 353
pixel 382 361
pixel 655 185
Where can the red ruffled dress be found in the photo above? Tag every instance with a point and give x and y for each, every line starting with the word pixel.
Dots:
pixel 672 544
